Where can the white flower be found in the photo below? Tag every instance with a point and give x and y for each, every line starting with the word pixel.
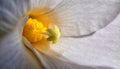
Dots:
pixel 73 18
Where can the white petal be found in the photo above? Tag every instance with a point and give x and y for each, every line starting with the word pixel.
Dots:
pixel 41 4
pixel 58 62
pixel 10 14
pixel 78 17
pixel 51 62
pixel 102 48
pixel 14 55
pixel 82 17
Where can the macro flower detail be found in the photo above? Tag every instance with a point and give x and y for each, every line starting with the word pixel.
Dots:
pixel 47 34
pixel 54 34
pixel 35 31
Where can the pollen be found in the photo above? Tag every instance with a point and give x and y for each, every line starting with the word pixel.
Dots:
pixel 33 30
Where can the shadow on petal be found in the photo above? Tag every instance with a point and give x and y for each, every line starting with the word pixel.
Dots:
pixel 44 46
pixel 51 62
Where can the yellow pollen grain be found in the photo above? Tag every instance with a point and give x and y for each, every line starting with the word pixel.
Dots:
pixel 33 29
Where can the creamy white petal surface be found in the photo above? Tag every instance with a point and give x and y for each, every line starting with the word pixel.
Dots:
pixel 75 18
pixel 14 55
pixel 101 48
pixel 82 17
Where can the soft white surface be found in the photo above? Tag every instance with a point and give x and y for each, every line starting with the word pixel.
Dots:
pixel 101 48
pixel 86 15
pixel 78 17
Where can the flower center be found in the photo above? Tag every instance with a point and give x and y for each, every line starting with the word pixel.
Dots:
pixel 33 30
pixel 41 26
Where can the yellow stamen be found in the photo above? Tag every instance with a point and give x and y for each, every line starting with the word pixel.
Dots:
pixel 33 29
